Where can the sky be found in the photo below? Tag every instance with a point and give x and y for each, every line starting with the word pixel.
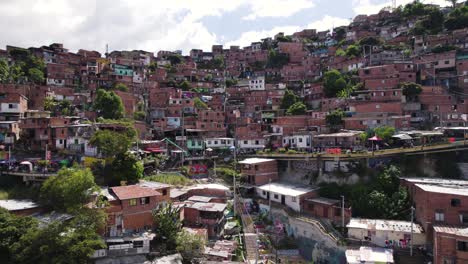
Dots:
pixel 154 25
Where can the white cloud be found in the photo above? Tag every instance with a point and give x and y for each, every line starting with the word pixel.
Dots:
pixel 276 8
pixel 251 36
pixel 328 22
pixel 125 24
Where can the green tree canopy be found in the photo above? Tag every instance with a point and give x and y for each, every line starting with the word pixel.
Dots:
pixel 108 105
pixel 297 108
pixel 353 51
pixel 69 190
pixel 185 85
pixel 410 89
pixel 57 243
pixel 121 87
pixel 384 132
pixel 276 59
pixel 126 167
pixel 458 18
pixel 333 83
pixel 289 98
pixel 167 222
pixel 4 71
pixel 335 119
pixel 36 76
pixel 110 143
pixel 199 104
pixel 372 41
pixel 190 246
pixel 12 227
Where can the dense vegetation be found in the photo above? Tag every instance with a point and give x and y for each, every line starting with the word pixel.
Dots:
pixel 381 198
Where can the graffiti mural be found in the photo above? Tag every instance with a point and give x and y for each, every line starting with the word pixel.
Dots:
pixel 313 245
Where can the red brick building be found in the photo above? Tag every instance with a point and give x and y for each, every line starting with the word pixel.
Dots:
pixel 131 206
pixel 450 244
pixel 259 171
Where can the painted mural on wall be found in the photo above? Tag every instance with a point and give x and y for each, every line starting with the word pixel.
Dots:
pixel 313 245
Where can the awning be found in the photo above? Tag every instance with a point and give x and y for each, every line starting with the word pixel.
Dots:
pixel 402 136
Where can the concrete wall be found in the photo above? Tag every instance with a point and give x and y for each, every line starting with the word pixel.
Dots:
pixel 313 245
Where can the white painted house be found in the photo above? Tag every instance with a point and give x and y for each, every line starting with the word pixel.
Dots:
pixel 291 195
pixel 257 83
pixel 299 142
pixel 219 143
pixel 385 232
pixel 258 143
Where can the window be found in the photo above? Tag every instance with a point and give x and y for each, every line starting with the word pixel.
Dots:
pixel 455 202
pixel 132 202
pixel 293 199
pixel 464 218
pixel 439 216
pixel 245 142
pixel 462 246
pixel 264 193
pixel 144 200
pixel 137 244
pixel 300 140
pixel 446 62
pixel 310 206
pixel 276 196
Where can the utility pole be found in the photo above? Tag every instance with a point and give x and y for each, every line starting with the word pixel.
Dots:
pixel 411 238
pixel 342 215
pixel 269 198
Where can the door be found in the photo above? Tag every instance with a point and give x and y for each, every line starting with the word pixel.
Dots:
pixel 283 199
pixel 325 212
pixel 268 195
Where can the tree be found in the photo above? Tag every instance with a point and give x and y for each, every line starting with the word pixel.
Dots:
pixel 335 119
pixel 126 167
pixel 289 98
pixel 353 51
pixel 230 82
pixel 190 246
pixel 340 34
pixel 410 90
pixel 108 105
pixel 57 243
pixel 185 85
pixel 384 132
pixel 276 59
pixel 4 71
pixel 372 41
pixel 36 76
pixel 175 59
pixel 458 18
pixel 69 190
pixel 12 227
pixel 110 143
pixel 121 87
pixel 199 104
pixel 166 219
pixel 297 108
pixel 139 115
pixel 333 83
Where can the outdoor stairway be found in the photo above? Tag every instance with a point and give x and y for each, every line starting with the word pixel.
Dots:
pixel 250 240
pixel 325 228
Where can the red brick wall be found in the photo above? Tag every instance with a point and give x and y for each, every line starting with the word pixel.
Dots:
pixel 261 173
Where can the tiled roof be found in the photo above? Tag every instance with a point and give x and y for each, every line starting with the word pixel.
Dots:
pixel 133 191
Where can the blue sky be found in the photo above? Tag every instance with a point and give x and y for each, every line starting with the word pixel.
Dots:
pixel 154 25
